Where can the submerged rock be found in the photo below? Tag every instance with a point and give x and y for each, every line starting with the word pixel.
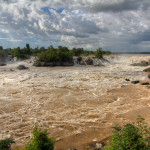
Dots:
pixel 127 79
pixel 89 61
pixel 142 63
pixel 147 70
pixel 96 146
pixel 2 64
pixel 145 83
pixel 51 64
pixel 135 82
pixel 22 67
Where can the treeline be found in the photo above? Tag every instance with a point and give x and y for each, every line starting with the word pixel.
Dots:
pixel 52 54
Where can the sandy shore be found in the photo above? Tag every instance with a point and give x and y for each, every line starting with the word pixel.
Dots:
pixel 77 105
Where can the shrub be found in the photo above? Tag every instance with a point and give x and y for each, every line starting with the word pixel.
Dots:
pixel 134 136
pixel 79 58
pixel 99 53
pixel 40 141
pixel 6 144
pixel 55 55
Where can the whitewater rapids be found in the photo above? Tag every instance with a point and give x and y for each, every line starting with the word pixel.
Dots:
pixel 76 104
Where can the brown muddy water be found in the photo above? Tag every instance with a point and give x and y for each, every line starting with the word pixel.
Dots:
pixel 77 105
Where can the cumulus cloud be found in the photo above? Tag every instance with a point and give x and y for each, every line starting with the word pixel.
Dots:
pixel 89 23
pixel 92 5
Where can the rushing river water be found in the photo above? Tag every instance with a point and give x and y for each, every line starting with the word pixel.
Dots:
pixel 76 104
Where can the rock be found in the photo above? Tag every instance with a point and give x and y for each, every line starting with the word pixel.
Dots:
pixel 96 145
pixel 22 67
pixel 99 146
pixel 51 64
pixel 145 83
pixel 81 62
pixel 2 64
pixel 11 70
pixel 127 79
pixel 135 82
pixel 149 76
pixel 124 85
pixel 89 61
pixel 147 69
pixel 144 63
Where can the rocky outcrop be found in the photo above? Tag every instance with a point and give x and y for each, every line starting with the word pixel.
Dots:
pixel 147 70
pixel 22 67
pixel 1 64
pixel 142 63
pixel 135 82
pixel 89 61
pixel 76 61
pixel 51 64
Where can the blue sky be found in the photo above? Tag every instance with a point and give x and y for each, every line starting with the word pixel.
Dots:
pixel 116 25
pixel 48 10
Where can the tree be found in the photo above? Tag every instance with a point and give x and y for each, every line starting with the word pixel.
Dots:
pixel 40 141
pixel 1 48
pixel 134 136
pixel 99 53
pixel 6 144
pixel 27 49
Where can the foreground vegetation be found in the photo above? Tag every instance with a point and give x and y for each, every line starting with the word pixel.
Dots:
pixel 40 141
pixel 132 136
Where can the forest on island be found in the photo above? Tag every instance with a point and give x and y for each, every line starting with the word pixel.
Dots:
pixel 51 54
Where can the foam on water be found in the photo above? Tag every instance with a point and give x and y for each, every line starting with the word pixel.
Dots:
pixel 63 99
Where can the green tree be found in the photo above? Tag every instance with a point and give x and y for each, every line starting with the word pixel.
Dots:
pixel 40 141
pixel 134 136
pixel 99 53
pixel 1 48
pixel 27 49
pixel 6 144
pixel 19 53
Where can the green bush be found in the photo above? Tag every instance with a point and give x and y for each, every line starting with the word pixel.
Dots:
pixel 40 141
pixel 99 53
pixel 79 58
pixel 6 144
pixel 53 55
pixel 134 136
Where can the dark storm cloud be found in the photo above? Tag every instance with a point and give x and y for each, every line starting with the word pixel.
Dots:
pixel 140 37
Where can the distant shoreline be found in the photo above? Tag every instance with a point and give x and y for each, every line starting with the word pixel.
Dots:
pixel 131 53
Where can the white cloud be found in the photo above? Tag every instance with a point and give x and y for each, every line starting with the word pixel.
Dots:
pixel 87 23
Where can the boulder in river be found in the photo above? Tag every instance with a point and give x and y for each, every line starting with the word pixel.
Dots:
pixel 89 61
pixel 22 67
pixel 147 70
pixel 51 64
pixel 135 82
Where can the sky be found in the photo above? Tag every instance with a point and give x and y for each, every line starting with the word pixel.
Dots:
pixel 115 25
